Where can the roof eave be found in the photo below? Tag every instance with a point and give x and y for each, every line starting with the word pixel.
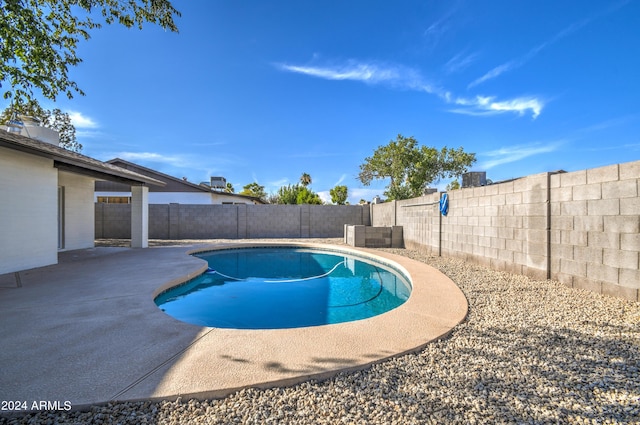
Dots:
pixel 74 162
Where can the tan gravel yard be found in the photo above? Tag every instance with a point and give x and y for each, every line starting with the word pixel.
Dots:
pixel 529 352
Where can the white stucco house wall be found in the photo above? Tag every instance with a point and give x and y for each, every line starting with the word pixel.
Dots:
pixel 47 200
pixel 175 190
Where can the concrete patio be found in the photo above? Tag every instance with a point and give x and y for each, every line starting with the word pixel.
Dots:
pixel 87 331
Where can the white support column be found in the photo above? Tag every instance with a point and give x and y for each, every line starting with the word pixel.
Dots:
pixel 139 216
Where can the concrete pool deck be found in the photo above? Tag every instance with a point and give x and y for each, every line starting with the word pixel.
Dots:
pixel 87 331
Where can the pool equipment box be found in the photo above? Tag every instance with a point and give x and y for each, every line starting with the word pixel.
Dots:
pixel 373 237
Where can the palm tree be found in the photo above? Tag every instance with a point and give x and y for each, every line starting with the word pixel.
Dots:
pixel 305 179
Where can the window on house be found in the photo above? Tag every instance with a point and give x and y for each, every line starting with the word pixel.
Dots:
pixel 114 199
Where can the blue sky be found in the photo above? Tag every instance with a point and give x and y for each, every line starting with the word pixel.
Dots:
pixel 262 91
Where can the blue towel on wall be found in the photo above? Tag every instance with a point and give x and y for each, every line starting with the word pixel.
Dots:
pixel 444 204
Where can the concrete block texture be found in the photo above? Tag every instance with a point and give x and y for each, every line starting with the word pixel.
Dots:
pixel 601 239
pixel 574 238
pixel 573 208
pixel 622 224
pixel 574 268
pixel 115 221
pixel 355 235
pixel 373 237
pixel 182 221
pixel 587 192
pixel 588 254
pixel 583 231
pixel 536 195
pixel 603 207
pixel 160 221
pixel 562 222
pixel 620 189
pixel 573 178
pixel 593 223
pixel 629 170
pixel 241 221
pixel 602 273
pixel 629 278
pixel 620 259
pixel 630 206
pixel 562 194
pixel 629 242
pixel 559 251
pixel 603 174
pixel 397 240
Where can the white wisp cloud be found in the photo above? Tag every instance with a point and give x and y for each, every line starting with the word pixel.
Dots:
pixel 369 73
pixel 411 79
pixel 510 154
pixel 488 105
pixel 81 121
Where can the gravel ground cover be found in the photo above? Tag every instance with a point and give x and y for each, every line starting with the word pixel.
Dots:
pixel 529 352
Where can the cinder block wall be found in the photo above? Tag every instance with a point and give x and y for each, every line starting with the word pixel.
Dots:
pixel 502 226
pixel 276 221
pixel 180 221
pixel 383 214
pixel 327 221
pixel 158 221
pixel 581 228
pixel 205 222
pixel 113 220
pixel 595 229
pixel 421 217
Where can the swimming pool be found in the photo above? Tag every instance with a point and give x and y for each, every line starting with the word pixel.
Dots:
pixel 285 287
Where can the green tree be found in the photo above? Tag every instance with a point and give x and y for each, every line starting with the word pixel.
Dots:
pixel 255 190
pixel 454 185
pixel 411 168
pixel 288 194
pixel 339 195
pixel 305 179
pixel 39 40
pixel 307 196
pixel 297 194
pixel 229 188
pixel 54 119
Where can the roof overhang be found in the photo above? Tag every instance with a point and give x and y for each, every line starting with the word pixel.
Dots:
pixel 72 162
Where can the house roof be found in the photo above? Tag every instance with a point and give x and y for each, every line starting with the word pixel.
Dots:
pixel 174 184
pixel 74 162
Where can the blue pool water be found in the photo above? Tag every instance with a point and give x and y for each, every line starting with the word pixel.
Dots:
pixel 284 287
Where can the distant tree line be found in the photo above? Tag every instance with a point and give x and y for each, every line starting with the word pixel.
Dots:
pixel 295 194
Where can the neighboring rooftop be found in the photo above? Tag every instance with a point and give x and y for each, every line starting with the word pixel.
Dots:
pixel 172 184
